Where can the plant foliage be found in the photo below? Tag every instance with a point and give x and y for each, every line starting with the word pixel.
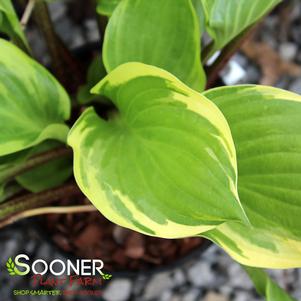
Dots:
pixel 134 23
pixel 10 25
pixel 169 159
pixel 33 105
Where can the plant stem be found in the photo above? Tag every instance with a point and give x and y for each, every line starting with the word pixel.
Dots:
pixel 10 191
pixel 36 161
pixel 42 18
pixel 213 70
pixel 65 66
pixel 46 210
pixel 27 13
pixel 102 24
pixel 30 201
pixel 207 52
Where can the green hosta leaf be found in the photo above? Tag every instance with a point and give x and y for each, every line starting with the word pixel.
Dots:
pixel 33 105
pixel 96 72
pixel 266 287
pixel 12 269
pixel 8 166
pixel 158 33
pixel 45 176
pixel 164 164
pixel 266 125
pixel 228 18
pixel 106 7
pixel 9 190
pixel 48 175
pixel 11 162
pixel 10 266
pixel 198 6
pixel 9 23
pixel 257 247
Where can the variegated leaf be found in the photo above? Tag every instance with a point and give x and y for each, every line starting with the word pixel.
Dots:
pixel 164 163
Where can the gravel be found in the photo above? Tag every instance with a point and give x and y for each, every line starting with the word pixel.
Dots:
pixel 288 51
pixel 296 86
pixel 211 296
pixel 191 295
pixel 157 285
pixel 118 290
pixel 200 274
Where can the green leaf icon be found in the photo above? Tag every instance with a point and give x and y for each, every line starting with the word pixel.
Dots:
pixel 11 268
pixel 10 265
pixel 106 276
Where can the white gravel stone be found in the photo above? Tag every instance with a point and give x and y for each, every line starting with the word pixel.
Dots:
pixel 211 296
pixel 118 290
pixel 225 290
pixel 57 10
pixel 78 40
pixel 201 275
pixel 297 295
pixel 243 296
pixel 288 51
pixel 166 295
pixel 191 295
pixel 178 278
pixel 157 285
pixel 212 253
pixel 238 277
pixel 139 286
pixel 92 30
pixel 296 86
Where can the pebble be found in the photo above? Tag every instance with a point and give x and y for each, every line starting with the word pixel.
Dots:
pixel 118 290
pixel 178 277
pixel 92 30
pixel 65 29
pixel 238 278
pixel 139 286
pixel 296 34
pixel 157 285
pixel 242 296
pixel 192 295
pixel 57 10
pixel 296 86
pixel 201 275
pixel 252 75
pixel 212 296
pixel 78 40
pixel 226 290
pixel 233 73
pixel 297 295
pixel 288 51
pixel 166 295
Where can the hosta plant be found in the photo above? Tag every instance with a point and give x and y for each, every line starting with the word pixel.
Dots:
pixel 170 158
